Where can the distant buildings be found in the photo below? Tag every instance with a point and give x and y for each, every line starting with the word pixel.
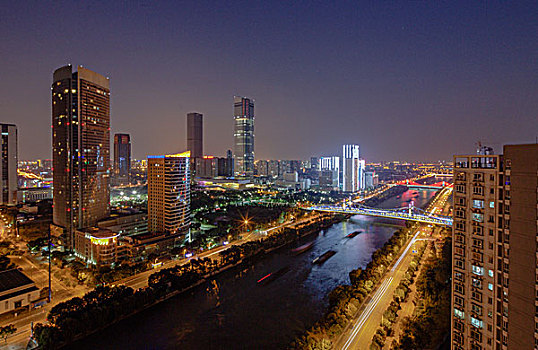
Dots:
pixel 329 173
pixel 169 194
pixel 80 150
pixel 495 249
pixel 195 135
pixel 209 167
pixel 329 163
pixel 122 159
pixel 244 136
pixel 8 165
pixel 371 179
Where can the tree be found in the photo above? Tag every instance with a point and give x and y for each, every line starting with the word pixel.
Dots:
pixel 6 331
pixel 5 263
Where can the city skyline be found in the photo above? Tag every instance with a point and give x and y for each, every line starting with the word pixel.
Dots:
pixel 386 70
pixel 351 175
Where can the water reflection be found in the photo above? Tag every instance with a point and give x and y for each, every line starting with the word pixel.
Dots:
pixel 234 311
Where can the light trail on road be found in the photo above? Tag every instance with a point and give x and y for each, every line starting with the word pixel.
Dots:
pixel 368 311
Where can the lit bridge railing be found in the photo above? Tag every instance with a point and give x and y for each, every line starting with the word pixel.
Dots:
pixel 410 213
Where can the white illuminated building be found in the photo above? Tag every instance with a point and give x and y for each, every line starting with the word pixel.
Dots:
pixel 353 169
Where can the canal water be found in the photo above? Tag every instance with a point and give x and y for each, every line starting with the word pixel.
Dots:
pixel 234 312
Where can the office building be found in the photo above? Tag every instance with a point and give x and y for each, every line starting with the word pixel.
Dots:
pixel 273 168
pixel 352 169
pixel 371 179
pixel 329 163
pixel 122 159
pixel 244 136
pixel 8 165
pixel 169 194
pixel 329 173
pixel 328 180
pixel 96 246
pixel 210 166
pixel 80 150
pixel 195 134
pixel 314 163
pixel 262 167
pixel 495 251
pixel 362 174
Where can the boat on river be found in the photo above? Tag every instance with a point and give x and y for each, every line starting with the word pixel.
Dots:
pixel 324 257
pixel 303 248
pixel 353 234
pixel 272 276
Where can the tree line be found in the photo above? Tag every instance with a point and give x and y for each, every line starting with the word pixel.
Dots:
pixel 79 316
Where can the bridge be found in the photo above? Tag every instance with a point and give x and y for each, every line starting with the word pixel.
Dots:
pixel 410 213
pixel 414 184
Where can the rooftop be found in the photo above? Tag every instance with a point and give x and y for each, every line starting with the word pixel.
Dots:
pixel 12 279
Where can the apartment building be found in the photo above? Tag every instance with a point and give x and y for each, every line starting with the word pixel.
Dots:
pixel 495 251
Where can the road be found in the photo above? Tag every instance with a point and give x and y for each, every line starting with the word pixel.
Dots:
pixel 358 334
pixel 61 292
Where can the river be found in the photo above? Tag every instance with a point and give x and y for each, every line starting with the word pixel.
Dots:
pixel 241 314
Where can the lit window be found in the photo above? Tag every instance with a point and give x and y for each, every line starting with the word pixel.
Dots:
pixel 490 285
pixel 478 204
pixel 476 322
pixel 492 205
pixel 478 217
pixel 490 273
pixel 478 270
pixel 459 314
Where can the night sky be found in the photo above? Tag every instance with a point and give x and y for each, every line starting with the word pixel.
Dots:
pixel 404 80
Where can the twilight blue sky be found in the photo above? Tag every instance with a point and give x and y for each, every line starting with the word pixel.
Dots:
pixel 405 80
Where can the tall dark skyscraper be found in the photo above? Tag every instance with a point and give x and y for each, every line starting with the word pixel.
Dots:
pixel 80 150
pixel 244 135
pixel 195 135
pixel 122 159
pixel 8 165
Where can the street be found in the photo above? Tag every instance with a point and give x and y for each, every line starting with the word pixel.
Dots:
pixel 358 334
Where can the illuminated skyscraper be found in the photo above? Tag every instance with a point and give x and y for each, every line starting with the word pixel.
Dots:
pixel 169 194
pixel 122 158
pixel 80 150
pixel 8 165
pixel 351 168
pixel 244 135
pixel 195 135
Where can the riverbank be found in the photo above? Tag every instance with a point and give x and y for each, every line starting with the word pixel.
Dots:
pixel 76 319
pixel 347 300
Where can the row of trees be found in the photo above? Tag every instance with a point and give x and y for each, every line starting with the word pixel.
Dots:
pixel 345 300
pixel 400 295
pixel 431 321
pixel 105 305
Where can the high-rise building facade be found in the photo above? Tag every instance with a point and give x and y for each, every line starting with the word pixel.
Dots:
pixel 329 163
pixel 8 165
pixel 195 135
pixel 122 159
pixel 210 166
pixel 329 173
pixel 169 194
pixel 351 168
pixel 495 250
pixel 244 135
pixel 80 150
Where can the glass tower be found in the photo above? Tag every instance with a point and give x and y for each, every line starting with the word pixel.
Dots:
pixel 80 150
pixel 244 135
